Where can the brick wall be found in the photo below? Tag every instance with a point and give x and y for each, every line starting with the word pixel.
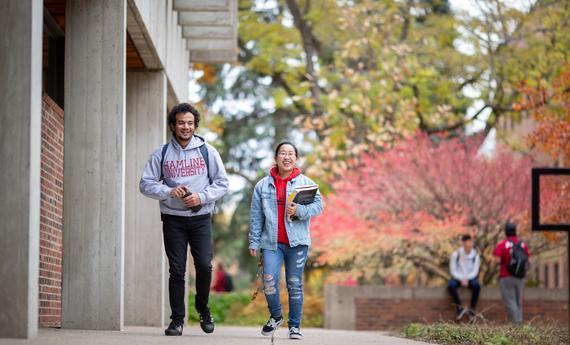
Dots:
pixel 383 308
pixel 377 313
pixel 51 214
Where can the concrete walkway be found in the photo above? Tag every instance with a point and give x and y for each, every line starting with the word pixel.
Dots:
pixel 224 335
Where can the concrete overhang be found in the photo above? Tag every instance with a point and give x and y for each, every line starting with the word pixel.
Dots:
pixel 210 28
pixel 171 34
pixel 141 38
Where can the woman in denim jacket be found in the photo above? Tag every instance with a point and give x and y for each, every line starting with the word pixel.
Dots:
pixel 281 240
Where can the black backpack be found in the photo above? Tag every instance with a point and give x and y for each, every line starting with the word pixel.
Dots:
pixel 518 263
pixel 228 283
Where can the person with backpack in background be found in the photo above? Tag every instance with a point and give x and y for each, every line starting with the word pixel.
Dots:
pixel 222 281
pixel 514 257
pixel 187 176
pixel 464 268
pixel 228 282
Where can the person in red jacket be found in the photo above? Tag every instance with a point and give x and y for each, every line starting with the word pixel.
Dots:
pixel 219 279
pixel 511 286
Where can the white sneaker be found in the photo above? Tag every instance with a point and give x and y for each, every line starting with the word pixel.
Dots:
pixel 295 333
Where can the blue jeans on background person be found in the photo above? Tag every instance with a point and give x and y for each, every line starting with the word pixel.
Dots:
pixel 295 259
pixel 473 284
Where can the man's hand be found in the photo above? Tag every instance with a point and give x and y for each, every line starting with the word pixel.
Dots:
pixel 192 200
pixel 291 210
pixel 253 252
pixel 464 282
pixel 178 192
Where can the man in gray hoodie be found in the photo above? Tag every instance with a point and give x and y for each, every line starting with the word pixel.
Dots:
pixel 464 267
pixel 187 176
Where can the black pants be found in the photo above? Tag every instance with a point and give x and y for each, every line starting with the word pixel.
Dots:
pixel 179 232
pixel 473 284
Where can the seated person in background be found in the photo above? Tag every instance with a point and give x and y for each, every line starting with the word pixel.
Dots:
pixel 464 268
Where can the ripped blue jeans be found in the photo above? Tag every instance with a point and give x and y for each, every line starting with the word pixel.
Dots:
pixel 294 259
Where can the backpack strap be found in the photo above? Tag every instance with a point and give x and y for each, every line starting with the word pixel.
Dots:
pixel 205 155
pixel 164 148
pixel 472 259
pixel 514 244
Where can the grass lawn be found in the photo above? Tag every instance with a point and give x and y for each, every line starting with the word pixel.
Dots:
pixel 489 334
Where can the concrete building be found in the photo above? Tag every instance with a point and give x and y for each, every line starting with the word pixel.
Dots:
pixel 84 91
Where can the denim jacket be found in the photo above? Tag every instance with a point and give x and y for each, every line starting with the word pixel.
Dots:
pixel 263 223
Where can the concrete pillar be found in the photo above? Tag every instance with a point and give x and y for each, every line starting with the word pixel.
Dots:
pixel 94 189
pixel 21 23
pixel 144 253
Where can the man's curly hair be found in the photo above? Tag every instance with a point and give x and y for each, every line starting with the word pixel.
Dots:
pixel 183 108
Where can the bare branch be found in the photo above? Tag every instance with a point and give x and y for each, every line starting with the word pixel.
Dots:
pixel 280 81
pixel 312 47
pixel 432 130
pixel 456 125
pixel 233 171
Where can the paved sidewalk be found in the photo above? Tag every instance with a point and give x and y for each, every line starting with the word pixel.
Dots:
pixel 224 335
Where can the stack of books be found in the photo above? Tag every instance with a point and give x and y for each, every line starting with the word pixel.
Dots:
pixel 302 195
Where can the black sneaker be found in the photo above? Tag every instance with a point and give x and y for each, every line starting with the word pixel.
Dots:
pixel 295 333
pixel 460 313
pixel 175 328
pixel 271 326
pixel 207 322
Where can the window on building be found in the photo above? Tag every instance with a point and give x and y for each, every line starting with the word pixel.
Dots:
pixel 556 275
pixel 546 273
pixel 53 59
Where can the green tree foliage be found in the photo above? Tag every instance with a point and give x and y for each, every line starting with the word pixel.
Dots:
pixel 344 77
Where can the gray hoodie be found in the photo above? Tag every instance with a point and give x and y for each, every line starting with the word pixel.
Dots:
pixel 184 167
pixel 464 265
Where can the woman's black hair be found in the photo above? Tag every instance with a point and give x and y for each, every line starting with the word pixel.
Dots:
pixel 286 143
pixel 183 108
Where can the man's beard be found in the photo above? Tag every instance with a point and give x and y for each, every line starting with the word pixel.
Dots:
pixel 180 138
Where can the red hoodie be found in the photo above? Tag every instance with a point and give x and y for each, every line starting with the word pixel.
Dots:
pixel 281 189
